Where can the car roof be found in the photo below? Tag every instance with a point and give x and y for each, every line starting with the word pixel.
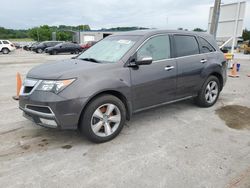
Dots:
pixel 161 31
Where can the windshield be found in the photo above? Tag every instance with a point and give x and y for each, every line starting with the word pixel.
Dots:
pixel 110 49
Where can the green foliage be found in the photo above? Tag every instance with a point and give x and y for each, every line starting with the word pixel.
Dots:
pixel 43 32
pixel 198 30
pixel 11 33
pixel 246 35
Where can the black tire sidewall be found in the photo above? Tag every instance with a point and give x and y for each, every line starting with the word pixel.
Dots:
pixel 200 99
pixel 5 51
pixel 85 123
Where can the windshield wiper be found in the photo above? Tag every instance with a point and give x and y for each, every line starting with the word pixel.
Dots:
pixel 90 59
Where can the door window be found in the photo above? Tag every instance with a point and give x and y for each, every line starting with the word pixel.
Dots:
pixel 206 47
pixel 5 42
pixel 186 45
pixel 157 47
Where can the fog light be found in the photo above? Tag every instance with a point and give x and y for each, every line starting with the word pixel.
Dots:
pixel 49 122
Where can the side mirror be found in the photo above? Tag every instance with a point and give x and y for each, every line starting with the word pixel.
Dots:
pixel 144 61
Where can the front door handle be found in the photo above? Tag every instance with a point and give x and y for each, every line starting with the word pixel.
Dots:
pixel 203 61
pixel 168 68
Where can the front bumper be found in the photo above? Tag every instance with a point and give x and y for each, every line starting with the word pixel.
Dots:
pixel 50 110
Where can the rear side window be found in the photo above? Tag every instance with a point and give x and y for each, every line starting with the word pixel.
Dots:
pixel 186 45
pixel 5 42
pixel 157 47
pixel 0 42
pixel 205 46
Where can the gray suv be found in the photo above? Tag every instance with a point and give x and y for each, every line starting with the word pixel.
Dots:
pixel 125 73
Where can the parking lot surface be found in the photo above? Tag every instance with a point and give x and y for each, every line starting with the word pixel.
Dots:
pixel 177 145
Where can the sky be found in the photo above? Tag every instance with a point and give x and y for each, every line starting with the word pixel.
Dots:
pixel 163 14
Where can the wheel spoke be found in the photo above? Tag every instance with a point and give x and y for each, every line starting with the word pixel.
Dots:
pixel 210 98
pixel 108 130
pixel 98 114
pixel 110 109
pixel 213 85
pixel 115 119
pixel 97 126
pixel 208 87
pixel 207 96
pixel 215 91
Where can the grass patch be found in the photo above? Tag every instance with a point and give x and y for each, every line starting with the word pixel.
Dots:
pixel 21 40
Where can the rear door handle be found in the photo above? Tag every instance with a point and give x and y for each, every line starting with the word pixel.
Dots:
pixel 203 61
pixel 168 68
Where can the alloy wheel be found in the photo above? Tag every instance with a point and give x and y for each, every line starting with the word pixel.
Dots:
pixel 105 120
pixel 211 92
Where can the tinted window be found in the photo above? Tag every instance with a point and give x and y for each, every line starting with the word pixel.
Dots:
pixel 157 47
pixel 5 42
pixel 185 45
pixel 205 46
pixel 0 42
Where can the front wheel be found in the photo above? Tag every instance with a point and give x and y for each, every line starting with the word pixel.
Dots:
pixel 209 92
pixel 39 51
pixel 103 119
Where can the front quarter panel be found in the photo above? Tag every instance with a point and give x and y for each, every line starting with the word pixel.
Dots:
pixel 110 78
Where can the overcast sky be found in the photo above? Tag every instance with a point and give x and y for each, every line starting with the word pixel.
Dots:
pixel 172 14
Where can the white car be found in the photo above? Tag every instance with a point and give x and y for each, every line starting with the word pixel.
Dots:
pixel 6 46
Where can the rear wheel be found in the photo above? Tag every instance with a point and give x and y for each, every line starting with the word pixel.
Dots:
pixel 39 51
pixel 103 119
pixel 209 92
pixel 77 51
pixel 5 50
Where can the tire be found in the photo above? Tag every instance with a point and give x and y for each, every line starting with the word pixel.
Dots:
pixel 5 50
pixel 208 97
pixel 39 51
pixel 97 115
pixel 77 51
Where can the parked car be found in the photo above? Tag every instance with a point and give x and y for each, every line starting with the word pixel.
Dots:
pixel 6 46
pixel 66 47
pixel 121 75
pixel 30 46
pixel 41 47
pixel 17 45
pixel 87 45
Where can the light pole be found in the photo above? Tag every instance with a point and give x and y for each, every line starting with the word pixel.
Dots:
pixel 215 18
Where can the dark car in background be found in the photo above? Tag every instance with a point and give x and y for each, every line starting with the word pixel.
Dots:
pixel 121 75
pixel 66 47
pixel 43 45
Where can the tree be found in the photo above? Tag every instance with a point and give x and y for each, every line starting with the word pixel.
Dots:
pixel 246 35
pixel 198 30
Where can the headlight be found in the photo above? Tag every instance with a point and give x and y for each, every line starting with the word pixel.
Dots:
pixel 54 85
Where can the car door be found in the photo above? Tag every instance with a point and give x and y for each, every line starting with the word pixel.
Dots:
pixel 155 83
pixel 190 63
pixel 63 47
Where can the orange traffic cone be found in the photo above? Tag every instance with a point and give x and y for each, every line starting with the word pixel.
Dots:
pixel 18 86
pixel 233 72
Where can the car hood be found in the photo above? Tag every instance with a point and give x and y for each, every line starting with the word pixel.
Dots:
pixel 63 69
